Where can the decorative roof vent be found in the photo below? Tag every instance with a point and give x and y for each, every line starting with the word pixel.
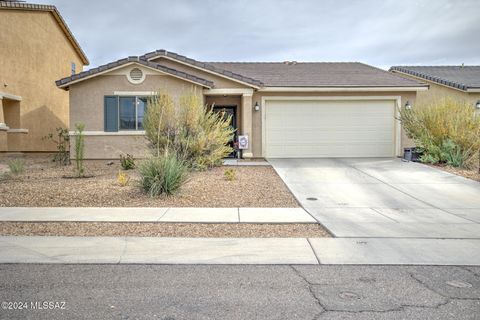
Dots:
pixel 136 76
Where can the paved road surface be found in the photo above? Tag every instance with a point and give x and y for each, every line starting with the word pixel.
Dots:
pixel 243 292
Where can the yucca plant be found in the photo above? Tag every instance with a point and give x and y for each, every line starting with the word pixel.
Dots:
pixel 162 175
pixel 16 166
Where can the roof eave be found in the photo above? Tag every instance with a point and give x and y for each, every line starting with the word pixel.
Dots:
pixel 447 83
pixel 65 83
pixel 345 89
pixel 256 84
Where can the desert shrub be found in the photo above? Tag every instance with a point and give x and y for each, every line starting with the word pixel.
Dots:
pixel 452 154
pixel 62 140
pixel 16 166
pixel 127 162
pixel 163 174
pixel 230 174
pixel 446 130
pixel 79 149
pixel 190 129
pixel 122 178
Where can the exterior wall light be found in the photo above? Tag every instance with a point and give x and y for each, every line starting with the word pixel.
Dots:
pixel 257 106
pixel 408 106
pixel 477 105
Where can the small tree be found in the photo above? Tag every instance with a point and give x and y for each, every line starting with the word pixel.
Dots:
pixel 79 149
pixel 62 140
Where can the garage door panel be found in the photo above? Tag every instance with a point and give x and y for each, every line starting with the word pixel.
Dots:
pixel 329 128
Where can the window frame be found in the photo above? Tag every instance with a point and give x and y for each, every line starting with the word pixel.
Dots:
pixel 137 98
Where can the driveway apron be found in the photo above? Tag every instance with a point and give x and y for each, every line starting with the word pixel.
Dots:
pixel 384 197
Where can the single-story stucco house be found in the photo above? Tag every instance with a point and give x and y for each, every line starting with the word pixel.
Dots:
pixel 286 109
pixel 457 82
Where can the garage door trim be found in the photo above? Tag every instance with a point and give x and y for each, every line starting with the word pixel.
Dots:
pixel 396 99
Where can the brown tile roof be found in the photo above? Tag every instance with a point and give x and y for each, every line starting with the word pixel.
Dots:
pixel 274 74
pixel 65 82
pixel 13 5
pixel 460 77
pixel 317 74
pixel 203 65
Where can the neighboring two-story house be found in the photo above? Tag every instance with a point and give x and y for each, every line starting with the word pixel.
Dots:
pixel 37 48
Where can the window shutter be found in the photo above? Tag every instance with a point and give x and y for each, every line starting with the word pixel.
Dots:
pixel 111 113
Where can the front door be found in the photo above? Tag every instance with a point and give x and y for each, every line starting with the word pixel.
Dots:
pixel 230 111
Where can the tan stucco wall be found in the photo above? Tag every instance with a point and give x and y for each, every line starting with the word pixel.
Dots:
pixel 34 53
pixel 87 97
pixel 87 103
pixel 437 91
pixel 112 146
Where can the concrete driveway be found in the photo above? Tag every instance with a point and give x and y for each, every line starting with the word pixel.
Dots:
pixel 383 197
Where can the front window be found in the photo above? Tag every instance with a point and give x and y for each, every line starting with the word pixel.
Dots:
pixel 131 111
pixel 141 107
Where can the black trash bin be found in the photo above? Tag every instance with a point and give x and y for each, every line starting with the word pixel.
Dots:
pixel 416 154
pixel 408 154
pixel 412 154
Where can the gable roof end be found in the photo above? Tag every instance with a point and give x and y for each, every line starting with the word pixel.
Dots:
pixel 65 82
pixel 56 15
pixel 202 65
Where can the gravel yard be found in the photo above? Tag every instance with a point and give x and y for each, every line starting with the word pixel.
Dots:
pixel 217 230
pixel 473 174
pixel 43 185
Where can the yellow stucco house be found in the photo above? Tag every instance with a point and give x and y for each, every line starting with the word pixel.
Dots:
pixel 37 48
pixel 457 82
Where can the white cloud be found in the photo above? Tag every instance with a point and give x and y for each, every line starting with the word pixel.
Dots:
pixel 377 32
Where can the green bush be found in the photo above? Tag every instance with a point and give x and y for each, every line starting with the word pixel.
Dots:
pixel 189 129
pixel 446 130
pixel 79 149
pixel 127 162
pixel 16 166
pixel 164 174
pixel 452 154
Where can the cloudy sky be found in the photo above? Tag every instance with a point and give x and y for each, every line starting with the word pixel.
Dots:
pixel 378 32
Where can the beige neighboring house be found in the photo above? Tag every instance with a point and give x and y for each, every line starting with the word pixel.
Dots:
pixel 36 48
pixel 457 82
pixel 285 109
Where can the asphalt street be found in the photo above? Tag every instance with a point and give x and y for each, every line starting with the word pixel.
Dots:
pixel 238 292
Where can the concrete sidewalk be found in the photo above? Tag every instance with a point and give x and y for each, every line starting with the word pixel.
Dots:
pixel 184 215
pixel 148 250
